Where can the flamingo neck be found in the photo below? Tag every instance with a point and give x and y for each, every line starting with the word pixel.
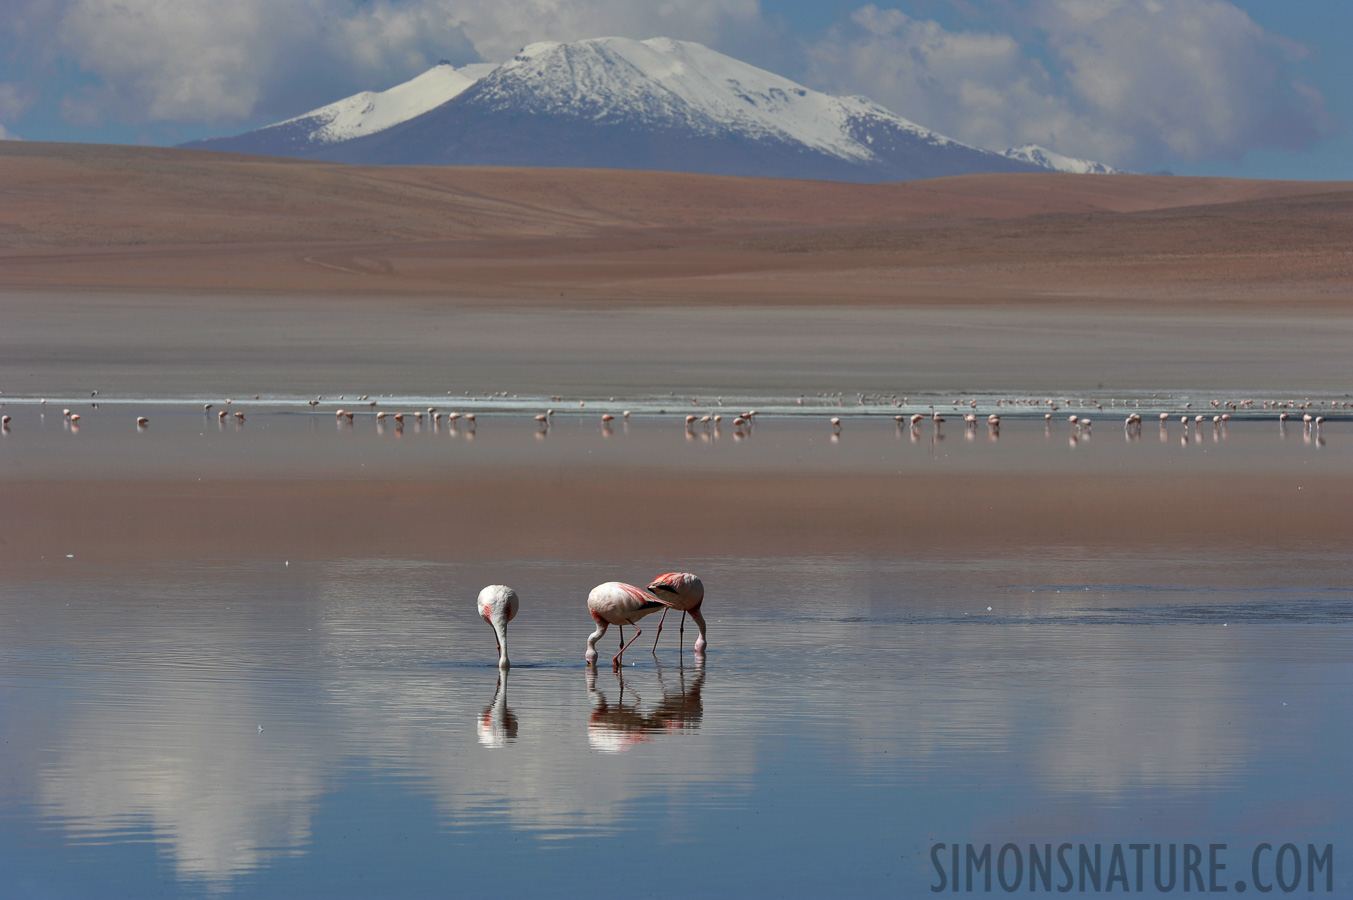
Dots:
pixel 699 619
pixel 591 655
pixel 500 629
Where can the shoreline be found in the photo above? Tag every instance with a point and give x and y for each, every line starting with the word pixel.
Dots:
pixel 69 345
pixel 481 515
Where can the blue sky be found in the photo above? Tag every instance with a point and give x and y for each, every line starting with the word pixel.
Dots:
pixel 1253 88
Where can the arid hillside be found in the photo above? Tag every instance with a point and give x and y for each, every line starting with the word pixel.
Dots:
pixel 147 219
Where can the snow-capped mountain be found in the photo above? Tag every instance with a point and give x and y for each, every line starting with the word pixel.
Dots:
pixel 1048 159
pixel 625 104
pixel 370 112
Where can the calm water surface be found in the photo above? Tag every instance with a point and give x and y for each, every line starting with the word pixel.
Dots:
pixel 264 727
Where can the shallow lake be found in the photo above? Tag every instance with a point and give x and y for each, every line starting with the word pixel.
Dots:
pixel 225 705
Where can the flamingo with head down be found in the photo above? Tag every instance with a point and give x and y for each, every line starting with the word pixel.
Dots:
pixel 683 591
pixel 617 603
pixel 497 605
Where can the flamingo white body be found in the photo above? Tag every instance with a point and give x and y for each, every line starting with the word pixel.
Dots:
pixel 683 591
pixel 498 605
pixel 617 603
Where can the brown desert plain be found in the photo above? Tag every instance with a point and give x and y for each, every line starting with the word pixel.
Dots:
pixel 145 272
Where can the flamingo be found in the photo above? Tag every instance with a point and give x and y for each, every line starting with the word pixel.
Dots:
pixel 498 605
pixel 616 603
pixel 683 591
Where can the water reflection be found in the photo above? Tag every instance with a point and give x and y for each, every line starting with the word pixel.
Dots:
pixel 192 769
pixel 615 727
pixel 498 723
pixel 150 704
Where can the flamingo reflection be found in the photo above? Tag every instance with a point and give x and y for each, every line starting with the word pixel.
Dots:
pixel 497 725
pixel 615 727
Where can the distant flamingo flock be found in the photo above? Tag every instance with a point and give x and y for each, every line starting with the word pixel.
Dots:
pixel 709 424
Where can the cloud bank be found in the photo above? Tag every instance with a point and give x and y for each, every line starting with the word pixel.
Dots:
pixel 1131 82
pixel 221 61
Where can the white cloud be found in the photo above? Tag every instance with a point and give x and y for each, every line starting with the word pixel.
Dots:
pixel 15 100
pixel 1130 82
pixel 980 87
pixel 215 61
pixel 212 61
pixel 1186 78
pixel 499 29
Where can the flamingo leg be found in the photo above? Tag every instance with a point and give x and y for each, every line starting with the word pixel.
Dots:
pixel 659 634
pixel 615 663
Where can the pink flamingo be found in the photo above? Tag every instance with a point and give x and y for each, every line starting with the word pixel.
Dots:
pixel 683 591
pixel 498 605
pixel 616 603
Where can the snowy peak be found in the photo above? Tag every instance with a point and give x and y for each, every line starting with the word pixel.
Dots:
pixel 373 111
pixel 1047 159
pixel 667 81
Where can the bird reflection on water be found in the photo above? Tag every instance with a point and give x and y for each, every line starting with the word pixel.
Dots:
pixel 497 725
pixel 615 727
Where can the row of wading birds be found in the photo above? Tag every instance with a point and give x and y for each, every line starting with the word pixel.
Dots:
pixel 1133 422
pixel 612 603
